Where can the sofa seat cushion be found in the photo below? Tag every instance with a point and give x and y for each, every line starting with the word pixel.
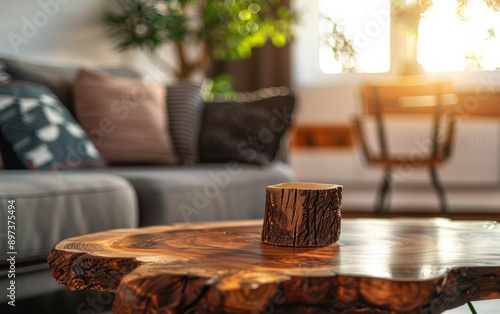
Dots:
pixel 52 206
pixel 206 192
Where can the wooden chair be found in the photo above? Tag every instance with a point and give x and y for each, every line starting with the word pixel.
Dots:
pixel 409 96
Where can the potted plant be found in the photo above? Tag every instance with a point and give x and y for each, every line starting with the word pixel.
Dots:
pixel 223 29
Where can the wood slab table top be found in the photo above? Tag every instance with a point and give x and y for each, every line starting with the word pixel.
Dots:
pixel 377 266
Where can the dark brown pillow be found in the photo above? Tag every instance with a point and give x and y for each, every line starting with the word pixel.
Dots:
pixel 248 131
pixel 126 119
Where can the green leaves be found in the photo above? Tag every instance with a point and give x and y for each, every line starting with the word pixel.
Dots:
pixel 146 24
pixel 232 28
pixel 220 88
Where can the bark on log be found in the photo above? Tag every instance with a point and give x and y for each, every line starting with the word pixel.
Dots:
pixel 302 214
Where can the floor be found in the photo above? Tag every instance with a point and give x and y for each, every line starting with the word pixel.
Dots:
pixel 481 307
pixel 392 214
pixel 90 302
pixel 422 199
pixel 63 302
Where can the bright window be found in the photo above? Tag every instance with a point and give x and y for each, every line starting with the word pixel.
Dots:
pixel 451 40
pixel 367 24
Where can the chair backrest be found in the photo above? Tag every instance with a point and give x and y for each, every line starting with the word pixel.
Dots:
pixel 412 95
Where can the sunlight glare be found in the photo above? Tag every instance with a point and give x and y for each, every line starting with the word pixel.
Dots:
pixel 449 43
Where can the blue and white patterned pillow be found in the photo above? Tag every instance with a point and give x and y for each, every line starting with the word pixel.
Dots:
pixel 41 132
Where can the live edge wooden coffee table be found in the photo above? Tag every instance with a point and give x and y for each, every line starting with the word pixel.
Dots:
pixel 377 266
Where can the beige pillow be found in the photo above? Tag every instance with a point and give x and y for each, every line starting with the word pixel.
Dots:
pixel 125 119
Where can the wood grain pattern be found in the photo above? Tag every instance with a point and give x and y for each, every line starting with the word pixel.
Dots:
pixel 377 266
pixel 302 214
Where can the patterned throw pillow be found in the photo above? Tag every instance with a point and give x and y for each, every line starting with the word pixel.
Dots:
pixel 185 106
pixel 248 131
pixel 40 132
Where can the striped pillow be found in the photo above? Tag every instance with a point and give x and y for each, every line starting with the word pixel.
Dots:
pixel 184 107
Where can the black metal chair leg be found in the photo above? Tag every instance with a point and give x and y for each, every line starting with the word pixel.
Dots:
pixel 440 191
pixel 383 193
pixel 471 308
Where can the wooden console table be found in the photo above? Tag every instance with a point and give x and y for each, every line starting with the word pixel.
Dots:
pixel 378 266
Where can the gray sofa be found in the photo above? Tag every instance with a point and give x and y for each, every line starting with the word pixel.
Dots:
pixel 51 206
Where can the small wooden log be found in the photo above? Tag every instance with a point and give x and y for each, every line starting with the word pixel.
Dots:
pixel 302 214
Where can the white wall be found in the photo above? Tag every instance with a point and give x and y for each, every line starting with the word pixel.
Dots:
pixel 56 30
pixel 67 32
